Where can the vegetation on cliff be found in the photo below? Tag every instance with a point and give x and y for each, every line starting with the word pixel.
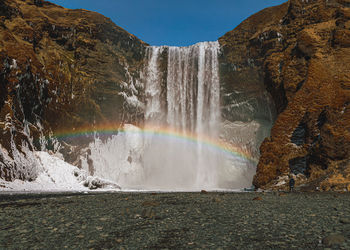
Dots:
pixel 60 69
pixel 63 69
pixel 301 50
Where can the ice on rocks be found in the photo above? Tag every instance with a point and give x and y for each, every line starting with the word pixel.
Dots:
pixel 55 174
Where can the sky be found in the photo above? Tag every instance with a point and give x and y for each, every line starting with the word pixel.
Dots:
pixel 174 22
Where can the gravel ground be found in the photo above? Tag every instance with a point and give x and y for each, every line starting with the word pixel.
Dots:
pixel 175 221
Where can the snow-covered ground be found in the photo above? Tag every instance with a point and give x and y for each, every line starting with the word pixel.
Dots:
pixel 57 175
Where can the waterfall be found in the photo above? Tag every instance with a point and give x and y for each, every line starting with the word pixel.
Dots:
pixel 190 105
pixel 182 102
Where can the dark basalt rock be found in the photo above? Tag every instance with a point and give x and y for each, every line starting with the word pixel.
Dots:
pixel 38 3
pixel 299 165
pixel 322 119
pixel 299 134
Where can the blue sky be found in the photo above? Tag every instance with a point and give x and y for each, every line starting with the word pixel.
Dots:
pixel 174 22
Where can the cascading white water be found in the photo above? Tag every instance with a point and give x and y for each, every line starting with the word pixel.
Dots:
pixel 182 94
pixel 191 106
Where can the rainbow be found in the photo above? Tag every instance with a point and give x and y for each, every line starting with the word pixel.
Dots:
pixel 161 132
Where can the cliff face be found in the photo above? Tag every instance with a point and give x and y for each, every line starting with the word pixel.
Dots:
pixel 301 51
pixel 60 69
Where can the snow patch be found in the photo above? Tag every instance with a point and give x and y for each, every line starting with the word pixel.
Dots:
pixel 57 175
pixel 14 64
pixel 132 100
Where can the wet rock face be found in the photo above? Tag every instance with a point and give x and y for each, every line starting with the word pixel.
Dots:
pixel 60 69
pixel 301 52
pixel 299 134
pixel 299 165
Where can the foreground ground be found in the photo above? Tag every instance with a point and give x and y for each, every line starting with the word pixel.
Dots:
pixel 175 220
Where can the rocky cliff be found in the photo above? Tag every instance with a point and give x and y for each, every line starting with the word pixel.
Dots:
pixel 301 51
pixel 60 70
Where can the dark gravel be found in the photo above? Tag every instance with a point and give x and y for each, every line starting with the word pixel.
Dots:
pixel 175 221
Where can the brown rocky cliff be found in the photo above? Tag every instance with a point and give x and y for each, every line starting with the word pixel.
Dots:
pixel 60 69
pixel 63 69
pixel 301 51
